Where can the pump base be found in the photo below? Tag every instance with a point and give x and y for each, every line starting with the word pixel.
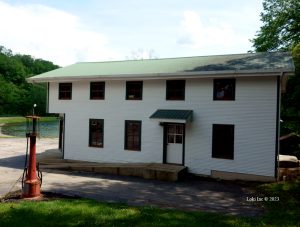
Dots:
pixel 32 189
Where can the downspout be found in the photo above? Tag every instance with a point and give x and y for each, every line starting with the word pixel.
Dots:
pixel 47 98
pixel 64 136
pixel 277 145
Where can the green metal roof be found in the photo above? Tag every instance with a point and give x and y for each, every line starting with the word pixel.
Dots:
pixel 156 68
pixel 184 115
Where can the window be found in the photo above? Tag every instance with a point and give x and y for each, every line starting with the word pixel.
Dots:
pixel 134 90
pixel 175 89
pixel 224 89
pixel 65 91
pixel 175 133
pixel 223 141
pixel 97 90
pixel 96 132
pixel 133 135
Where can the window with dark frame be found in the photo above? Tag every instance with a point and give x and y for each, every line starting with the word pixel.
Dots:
pixel 96 127
pixel 97 90
pixel 175 90
pixel 223 141
pixel 133 135
pixel 65 91
pixel 134 90
pixel 224 89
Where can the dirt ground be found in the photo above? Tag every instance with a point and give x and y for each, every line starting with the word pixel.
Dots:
pixel 12 159
pixel 18 145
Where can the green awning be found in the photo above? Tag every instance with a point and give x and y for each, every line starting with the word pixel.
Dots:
pixel 175 116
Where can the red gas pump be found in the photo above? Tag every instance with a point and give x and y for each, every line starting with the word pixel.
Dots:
pixel 31 185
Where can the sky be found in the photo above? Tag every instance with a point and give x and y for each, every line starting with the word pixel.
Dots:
pixel 66 32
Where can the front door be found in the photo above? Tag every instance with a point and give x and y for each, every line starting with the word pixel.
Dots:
pixel 174 142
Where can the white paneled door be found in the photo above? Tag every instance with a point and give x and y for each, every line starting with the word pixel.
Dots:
pixel 175 143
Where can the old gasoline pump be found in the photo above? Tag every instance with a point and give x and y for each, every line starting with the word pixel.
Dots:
pixel 32 177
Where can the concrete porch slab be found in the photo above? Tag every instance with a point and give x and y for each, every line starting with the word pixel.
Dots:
pixel 52 160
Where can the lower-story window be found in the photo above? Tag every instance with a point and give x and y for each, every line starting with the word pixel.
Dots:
pixel 96 132
pixel 223 141
pixel 133 135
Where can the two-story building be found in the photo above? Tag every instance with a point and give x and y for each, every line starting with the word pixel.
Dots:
pixel 217 115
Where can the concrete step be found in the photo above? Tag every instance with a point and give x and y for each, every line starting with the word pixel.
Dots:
pixel 165 172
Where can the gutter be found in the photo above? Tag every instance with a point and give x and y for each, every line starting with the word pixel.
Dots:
pixel 155 76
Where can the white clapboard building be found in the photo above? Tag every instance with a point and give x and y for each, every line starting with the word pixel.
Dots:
pixel 217 115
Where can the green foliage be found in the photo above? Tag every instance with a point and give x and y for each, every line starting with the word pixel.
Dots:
pixel 9 120
pixel 286 211
pixel 281 26
pixel 281 32
pixel 291 99
pixel 11 69
pixel 16 95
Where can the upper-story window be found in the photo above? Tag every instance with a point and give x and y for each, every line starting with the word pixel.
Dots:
pixel 175 90
pixel 65 91
pixel 134 90
pixel 97 90
pixel 224 89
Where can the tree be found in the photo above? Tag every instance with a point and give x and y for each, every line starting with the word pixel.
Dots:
pixel 281 26
pixel 281 32
pixel 12 70
pixel 291 99
pixel 141 54
pixel 5 51
pixel 16 95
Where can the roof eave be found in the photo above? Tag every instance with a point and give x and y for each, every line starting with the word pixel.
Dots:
pixel 152 76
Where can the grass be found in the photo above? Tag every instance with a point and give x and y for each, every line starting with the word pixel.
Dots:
pixel 5 120
pixel 286 211
pixel 84 212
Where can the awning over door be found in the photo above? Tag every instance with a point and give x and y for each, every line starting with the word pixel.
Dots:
pixel 175 116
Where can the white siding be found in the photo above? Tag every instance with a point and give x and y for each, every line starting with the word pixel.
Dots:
pixel 253 113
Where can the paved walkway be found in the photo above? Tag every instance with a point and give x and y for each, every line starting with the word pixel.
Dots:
pixel 191 194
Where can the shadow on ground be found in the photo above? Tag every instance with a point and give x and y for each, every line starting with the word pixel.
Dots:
pixel 16 162
pixel 191 194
